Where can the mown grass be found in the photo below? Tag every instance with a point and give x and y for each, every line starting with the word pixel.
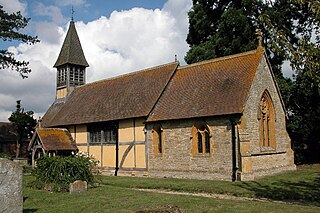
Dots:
pixel 115 194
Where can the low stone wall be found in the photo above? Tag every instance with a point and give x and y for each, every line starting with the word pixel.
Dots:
pixel 11 198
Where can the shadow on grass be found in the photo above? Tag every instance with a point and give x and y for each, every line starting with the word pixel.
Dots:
pixel 305 192
pixel 29 210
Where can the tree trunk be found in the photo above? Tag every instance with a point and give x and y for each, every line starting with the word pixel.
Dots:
pixel 18 149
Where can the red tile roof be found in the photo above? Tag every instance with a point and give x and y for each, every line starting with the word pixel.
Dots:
pixel 214 87
pixel 127 96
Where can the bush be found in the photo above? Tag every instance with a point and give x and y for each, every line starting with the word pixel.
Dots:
pixel 5 155
pixel 56 173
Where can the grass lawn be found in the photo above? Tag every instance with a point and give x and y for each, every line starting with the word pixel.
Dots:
pixel 116 194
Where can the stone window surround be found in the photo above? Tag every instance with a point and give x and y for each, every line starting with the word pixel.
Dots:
pixel 158 139
pixel 267 119
pixel 194 139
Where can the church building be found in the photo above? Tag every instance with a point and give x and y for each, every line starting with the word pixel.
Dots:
pixel 217 119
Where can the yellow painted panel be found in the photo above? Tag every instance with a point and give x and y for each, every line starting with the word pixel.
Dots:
pixel 96 151
pixel 109 156
pixel 140 136
pixel 81 131
pixel 126 131
pixel 82 149
pixel 129 160
pixel 61 93
pixel 141 156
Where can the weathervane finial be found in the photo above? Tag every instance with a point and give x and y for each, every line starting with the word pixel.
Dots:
pixel 72 12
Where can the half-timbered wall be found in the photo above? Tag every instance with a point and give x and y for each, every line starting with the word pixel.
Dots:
pixel 131 141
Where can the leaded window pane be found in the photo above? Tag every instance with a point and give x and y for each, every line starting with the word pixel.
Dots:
pixel 199 143
pixel 207 142
pixel 159 141
pixel 103 133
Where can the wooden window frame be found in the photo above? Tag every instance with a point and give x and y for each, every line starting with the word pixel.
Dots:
pixel 103 133
pixel 158 140
pixel 267 119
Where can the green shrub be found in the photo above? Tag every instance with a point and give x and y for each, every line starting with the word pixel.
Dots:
pixel 56 173
pixel 5 155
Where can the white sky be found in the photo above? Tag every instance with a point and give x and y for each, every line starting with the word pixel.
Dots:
pixel 125 41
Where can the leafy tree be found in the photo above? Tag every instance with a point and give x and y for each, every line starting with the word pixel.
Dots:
pixel 304 99
pixel 23 125
pixel 291 32
pixel 10 24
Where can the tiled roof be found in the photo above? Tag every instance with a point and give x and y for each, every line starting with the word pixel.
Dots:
pixel 71 51
pixel 214 87
pixel 55 139
pixel 128 96
pixel 51 113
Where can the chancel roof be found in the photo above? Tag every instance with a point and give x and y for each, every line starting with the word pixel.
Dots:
pixel 54 139
pixel 71 51
pixel 128 96
pixel 214 87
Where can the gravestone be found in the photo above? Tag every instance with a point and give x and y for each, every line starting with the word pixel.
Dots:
pixel 78 186
pixel 11 198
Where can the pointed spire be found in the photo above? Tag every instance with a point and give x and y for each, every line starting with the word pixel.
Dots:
pixel 71 51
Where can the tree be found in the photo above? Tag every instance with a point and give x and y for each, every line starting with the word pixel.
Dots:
pixel 23 125
pixel 291 32
pixel 304 100
pixel 10 24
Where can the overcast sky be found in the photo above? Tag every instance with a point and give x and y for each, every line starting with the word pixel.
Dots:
pixel 117 37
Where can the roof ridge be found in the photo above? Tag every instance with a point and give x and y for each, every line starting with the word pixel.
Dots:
pixel 251 52
pixel 128 74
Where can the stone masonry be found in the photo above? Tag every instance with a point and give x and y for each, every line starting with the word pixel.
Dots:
pixel 177 159
pixel 252 160
pixel 11 199
pixel 255 161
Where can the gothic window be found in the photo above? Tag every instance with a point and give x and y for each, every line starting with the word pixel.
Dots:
pixel 266 119
pixel 201 139
pixel 157 133
pixel 103 133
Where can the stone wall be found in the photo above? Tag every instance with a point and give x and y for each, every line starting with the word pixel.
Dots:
pixel 11 199
pixel 257 162
pixel 177 159
pixel 252 161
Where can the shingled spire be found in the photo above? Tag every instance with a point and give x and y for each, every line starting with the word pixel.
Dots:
pixel 71 64
pixel 71 51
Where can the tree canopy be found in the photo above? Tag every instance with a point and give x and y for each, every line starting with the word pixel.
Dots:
pixel 291 32
pixel 23 125
pixel 10 24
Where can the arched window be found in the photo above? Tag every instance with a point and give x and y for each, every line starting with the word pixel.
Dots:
pixel 266 117
pixel 201 139
pixel 157 133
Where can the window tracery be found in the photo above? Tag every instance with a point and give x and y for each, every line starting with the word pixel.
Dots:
pixel 266 121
